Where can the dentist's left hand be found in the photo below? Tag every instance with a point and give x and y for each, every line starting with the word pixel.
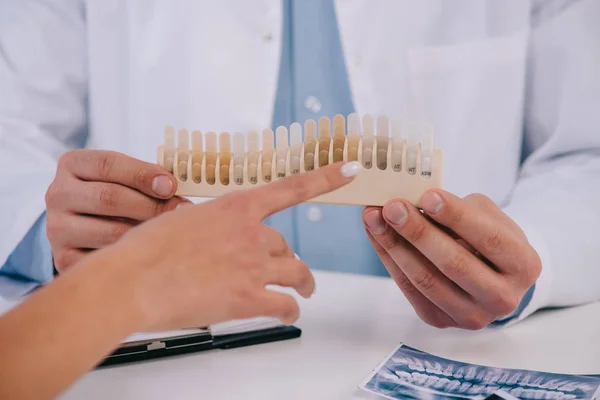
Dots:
pixel 462 263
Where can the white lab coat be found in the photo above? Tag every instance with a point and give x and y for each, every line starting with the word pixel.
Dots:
pixel 488 75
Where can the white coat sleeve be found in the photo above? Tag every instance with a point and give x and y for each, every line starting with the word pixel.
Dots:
pixel 43 91
pixel 557 198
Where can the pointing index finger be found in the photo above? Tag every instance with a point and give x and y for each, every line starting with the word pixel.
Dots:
pixel 299 188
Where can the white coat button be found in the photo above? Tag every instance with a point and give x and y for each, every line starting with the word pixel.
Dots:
pixel 314 214
pixel 312 104
pixel 267 36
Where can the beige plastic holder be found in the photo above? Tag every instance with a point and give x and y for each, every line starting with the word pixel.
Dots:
pixel 394 167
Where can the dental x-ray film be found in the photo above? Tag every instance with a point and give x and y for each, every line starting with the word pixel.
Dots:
pixel 409 373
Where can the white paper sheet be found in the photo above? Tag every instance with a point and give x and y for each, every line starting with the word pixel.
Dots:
pixel 145 336
pixel 224 328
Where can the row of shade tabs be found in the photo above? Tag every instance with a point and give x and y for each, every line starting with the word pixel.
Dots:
pixel 376 143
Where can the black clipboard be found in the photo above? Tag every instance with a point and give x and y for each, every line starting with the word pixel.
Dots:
pixel 196 342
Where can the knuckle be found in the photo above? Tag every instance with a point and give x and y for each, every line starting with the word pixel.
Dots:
pixel 52 196
pixel 255 271
pixel 433 321
pixel 252 235
pixel 417 233
pixel 141 178
pixel 291 310
pixel 64 161
pixel 533 267
pixel 116 231
pixel 425 281
pixel 493 241
pixel 107 198
pixel 456 267
pixel 481 201
pixel 303 274
pixel 475 198
pixel 62 260
pixel 455 216
pixel 281 244
pixel 474 322
pixel 53 226
pixel 301 187
pixel 405 284
pixel 502 302
pixel 388 241
pixel 244 293
pixel 331 178
pixel 105 165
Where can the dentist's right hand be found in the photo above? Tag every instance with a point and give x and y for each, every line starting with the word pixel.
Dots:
pixel 207 263
pixel 97 196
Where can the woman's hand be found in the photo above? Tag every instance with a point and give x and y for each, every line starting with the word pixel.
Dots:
pixel 194 266
pixel 207 263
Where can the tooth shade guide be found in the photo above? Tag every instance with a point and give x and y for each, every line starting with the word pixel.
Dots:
pixel 245 163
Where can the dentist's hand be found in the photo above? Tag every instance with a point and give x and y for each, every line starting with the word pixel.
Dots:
pixel 462 263
pixel 207 263
pixel 97 196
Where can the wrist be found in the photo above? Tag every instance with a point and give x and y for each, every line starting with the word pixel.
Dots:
pixel 133 277
pixel 119 275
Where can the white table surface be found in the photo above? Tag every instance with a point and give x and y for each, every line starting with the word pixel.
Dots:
pixel 351 324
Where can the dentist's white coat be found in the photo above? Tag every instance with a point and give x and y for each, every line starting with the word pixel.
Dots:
pixel 489 75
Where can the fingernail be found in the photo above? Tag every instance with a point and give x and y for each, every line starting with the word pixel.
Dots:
pixel 375 222
pixel 432 202
pixel 162 185
pixel 396 213
pixel 350 169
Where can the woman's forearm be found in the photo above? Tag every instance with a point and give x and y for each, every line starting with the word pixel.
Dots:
pixel 66 328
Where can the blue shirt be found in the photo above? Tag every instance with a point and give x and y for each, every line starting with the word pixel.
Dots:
pixel 313 82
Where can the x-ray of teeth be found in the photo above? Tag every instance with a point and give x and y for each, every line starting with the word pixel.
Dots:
pixel 409 373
